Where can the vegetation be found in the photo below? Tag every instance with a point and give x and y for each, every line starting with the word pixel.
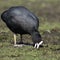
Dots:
pixel 48 12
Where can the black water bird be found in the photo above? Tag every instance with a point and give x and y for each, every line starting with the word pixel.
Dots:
pixel 22 21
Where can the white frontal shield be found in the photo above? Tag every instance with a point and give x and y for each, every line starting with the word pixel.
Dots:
pixel 38 44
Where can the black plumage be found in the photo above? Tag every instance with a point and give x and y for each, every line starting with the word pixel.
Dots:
pixel 21 21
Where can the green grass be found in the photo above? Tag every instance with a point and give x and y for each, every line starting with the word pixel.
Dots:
pixel 49 26
pixel 8 52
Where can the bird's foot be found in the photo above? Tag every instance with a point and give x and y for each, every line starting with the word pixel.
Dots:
pixel 17 45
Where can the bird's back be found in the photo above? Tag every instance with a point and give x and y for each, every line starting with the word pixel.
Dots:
pixel 20 18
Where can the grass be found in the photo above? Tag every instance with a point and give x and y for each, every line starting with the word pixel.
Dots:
pixel 50 21
pixel 49 26
pixel 8 52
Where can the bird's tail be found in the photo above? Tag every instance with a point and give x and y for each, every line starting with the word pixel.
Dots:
pixel 3 16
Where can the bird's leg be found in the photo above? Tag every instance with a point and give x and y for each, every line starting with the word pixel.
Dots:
pixel 14 39
pixel 16 45
pixel 21 39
